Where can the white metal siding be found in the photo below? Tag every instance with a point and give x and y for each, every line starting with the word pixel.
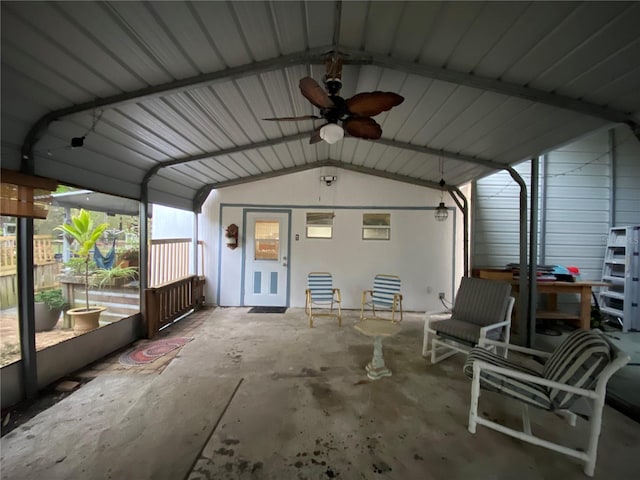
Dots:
pixel 575 206
pixel 496 206
pixel 578 181
pixel 627 181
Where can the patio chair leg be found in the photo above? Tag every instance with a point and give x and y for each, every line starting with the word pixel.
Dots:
pixel 475 394
pixel 594 435
pixel 434 352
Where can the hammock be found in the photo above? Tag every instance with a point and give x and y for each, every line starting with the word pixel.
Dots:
pixel 105 261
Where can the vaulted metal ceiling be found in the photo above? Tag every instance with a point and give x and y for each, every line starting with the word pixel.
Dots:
pixel 172 94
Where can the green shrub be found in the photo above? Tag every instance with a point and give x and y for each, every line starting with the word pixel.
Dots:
pixel 52 298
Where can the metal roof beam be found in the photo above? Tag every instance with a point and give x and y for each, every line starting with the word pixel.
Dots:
pixel 443 153
pixel 317 56
pixel 202 194
pixel 499 86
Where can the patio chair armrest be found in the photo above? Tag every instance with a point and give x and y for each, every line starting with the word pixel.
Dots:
pixel 364 295
pixel 507 372
pixel 484 330
pixel 516 348
pixel 429 317
pixel 336 292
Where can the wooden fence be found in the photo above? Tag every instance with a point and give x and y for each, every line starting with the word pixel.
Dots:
pixel 42 252
pixel 169 261
pixel 45 268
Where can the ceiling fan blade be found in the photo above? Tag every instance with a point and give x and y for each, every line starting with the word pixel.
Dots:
pixel 370 104
pixel 315 93
pixel 293 119
pixel 362 127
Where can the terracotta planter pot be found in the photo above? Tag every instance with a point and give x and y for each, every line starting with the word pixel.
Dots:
pixel 85 320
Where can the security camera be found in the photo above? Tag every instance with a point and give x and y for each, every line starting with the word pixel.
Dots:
pixel 328 179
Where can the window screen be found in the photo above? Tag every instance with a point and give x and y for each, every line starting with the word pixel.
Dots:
pixel 320 224
pixel 376 226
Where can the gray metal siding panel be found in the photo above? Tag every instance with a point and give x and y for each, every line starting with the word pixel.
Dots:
pixel 627 203
pixel 495 238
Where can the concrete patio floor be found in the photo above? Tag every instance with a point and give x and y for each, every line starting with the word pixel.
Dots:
pixel 262 396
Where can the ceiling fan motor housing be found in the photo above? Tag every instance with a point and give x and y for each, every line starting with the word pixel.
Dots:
pixel 333 85
pixel 337 112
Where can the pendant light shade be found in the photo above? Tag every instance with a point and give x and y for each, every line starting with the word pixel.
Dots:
pixel 331 133
pixel 441 212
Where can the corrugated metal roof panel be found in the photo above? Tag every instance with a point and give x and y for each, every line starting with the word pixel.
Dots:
pixel 209 72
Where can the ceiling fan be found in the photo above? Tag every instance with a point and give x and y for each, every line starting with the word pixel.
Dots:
pixel 353 113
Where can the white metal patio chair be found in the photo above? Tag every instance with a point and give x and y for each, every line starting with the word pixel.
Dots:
pixel 482 309
pixel 579 368
pixel 385 297
pixel 321 295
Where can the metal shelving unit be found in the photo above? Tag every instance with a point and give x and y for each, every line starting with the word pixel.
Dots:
pixel 620 298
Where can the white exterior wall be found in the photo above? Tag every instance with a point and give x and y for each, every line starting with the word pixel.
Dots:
pixel 421 250
pixel 169 222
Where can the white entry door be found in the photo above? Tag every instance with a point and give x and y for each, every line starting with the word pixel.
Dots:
pixel 266 259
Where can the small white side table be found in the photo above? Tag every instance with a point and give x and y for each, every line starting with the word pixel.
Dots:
pixel 378 329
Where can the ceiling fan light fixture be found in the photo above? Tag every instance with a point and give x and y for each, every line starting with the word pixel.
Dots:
pixel 331 133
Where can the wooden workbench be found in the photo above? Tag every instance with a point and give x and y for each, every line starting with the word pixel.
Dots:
pixel 551 289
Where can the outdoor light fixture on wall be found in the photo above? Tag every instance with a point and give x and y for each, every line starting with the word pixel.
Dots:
pixel 441 212
pixel 328 179
pixel 232 233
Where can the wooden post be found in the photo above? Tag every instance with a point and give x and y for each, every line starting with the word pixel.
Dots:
pixel 151 312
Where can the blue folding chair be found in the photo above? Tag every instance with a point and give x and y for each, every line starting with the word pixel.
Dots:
pixel 321 295
pixel 385 296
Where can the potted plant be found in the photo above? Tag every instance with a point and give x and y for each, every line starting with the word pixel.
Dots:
pixel 85 236
pixel 47 307
pixel 114 276
pixel 129 257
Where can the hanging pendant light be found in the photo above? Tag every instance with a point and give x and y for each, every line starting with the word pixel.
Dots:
pixel 441 213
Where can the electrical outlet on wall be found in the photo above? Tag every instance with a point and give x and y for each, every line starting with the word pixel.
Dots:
pixel 441 295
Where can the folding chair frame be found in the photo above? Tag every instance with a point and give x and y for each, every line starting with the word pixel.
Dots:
pixel 597 396
pixel 395 306
pixel 335 299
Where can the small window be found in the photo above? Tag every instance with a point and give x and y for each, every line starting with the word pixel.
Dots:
pixel 376 226
pixel 320 224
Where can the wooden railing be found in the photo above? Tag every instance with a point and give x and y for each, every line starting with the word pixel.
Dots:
pixel 42 252
pixel 168 260
pixel 165 303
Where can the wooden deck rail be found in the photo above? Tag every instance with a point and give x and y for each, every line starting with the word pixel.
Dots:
pixel 42 252
pixel 165 303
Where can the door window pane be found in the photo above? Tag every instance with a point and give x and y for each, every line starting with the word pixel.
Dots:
pixel 267 240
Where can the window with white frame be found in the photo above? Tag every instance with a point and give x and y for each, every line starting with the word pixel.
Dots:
pixel 320 224
pixel 376 226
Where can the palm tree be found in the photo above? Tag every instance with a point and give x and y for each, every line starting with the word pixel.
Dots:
pixel 85 235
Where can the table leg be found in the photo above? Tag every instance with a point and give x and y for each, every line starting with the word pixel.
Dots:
pixel 585 307
pixel 376 368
